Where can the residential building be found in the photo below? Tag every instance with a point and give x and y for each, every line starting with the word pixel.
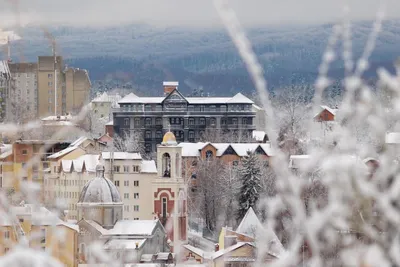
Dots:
pixel 5 90
pixel 26 160
pixel 76 93
pixel 131 175
pixel 326 114
pixel 42 229
pixel 103 104
pixel 24 92
pixel 189 118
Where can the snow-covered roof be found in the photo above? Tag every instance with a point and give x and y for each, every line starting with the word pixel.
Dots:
pixel 104 97
pixel 193 149
pixel 198 251
pixel 222 252
pixel 100 190
pixel 79 141
pixel 6 154
pixel 124 243
pixel 251 226
pixel 333 111
pixel 170 83
pixel 148 166
pixel 121 155
pixel 62 152
pixel 236 99
pixel 259 135
pixel 110 123
pixel 96 226
pixel 392 138
pixel 133 227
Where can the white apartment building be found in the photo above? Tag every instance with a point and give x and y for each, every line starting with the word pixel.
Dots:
pixel 130 173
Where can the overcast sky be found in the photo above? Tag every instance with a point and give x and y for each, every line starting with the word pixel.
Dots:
pixel 199 13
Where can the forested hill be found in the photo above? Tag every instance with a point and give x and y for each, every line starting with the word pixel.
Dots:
pixel 142 57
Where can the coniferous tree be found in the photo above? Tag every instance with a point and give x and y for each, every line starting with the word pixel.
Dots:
pixel 250 180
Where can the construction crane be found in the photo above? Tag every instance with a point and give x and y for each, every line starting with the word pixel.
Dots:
pixel 53 44
pixel 15 5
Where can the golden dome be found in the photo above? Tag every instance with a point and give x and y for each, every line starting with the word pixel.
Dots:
pixel 169 139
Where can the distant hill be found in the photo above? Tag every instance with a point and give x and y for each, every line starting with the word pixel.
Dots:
pixel 144 56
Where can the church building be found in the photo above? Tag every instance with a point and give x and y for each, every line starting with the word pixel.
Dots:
pixel 170 202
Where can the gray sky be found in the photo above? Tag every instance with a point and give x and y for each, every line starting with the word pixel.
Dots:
pixel 199 13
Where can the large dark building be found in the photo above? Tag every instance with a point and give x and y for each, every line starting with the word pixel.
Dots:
pixel 187 117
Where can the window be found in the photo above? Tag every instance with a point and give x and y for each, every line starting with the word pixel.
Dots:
pixel 6 250
pixel 126 195
pixel 158 134
pixel 24 152
pixel 23 164
pixel 126 183
pixel 126 122
pixel 136 219
pixel 136 183
pixel 136 207
pixel 209 154
pixel 148 134
pixel 244 121
pixel 50 75
pixel 42 236
pixel 148 121
pixel 191 135
pixel 158 121
pixel 116 168
pixel 202 121
pixel 191 121
pixel 234 121
pixel 45 165
pixel 126 168
pixel 164 207
pixel 213 121
pixel 137 122
pixel 135 168
pixel 147 147
pixel 7 235
pixel 126 208
pixel 136 195
pixel 116 183
pixel 50 83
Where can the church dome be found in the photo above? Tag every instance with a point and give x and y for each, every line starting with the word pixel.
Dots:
pixel 169 139
pixel 100 190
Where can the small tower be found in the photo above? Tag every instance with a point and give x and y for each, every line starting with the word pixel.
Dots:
pixel 170 202
pixel 100 201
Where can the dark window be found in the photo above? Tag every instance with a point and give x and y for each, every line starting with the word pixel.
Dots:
pixel 234 121
pixel 209 154
pixel 158 121
pixel 137 122
pixel 148 134
pixel 164 207
pixel 223 121
pixel 24 152
pixel 202 121
pixel 126 122
pixel 158 134
pixel 147 107
pixel 191 135
pixel 191 121
pixel 244 121
pixel 148 148
pixel 148 121
pixel 213 121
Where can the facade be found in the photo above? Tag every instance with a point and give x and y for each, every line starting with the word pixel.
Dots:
pixel 169 191
pixel 44 230
pixel 72 169
pixel 5 90
pixel 23 93
pixel 187 117
pixel 103 104
pixel 34 83
pixel 17 162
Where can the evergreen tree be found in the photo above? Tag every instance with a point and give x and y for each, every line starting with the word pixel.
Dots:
pixel 250 181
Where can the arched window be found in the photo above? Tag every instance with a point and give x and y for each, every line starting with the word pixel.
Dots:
pixel 166 165
pixel 177 165
pixel 209 154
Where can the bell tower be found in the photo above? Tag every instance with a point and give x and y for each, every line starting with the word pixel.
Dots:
pixel 169 191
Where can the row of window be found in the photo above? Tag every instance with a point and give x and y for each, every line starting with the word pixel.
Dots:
pixel 190 108
pixel 191 121
pixel 126 183
pixel 126 168
pixel 135 208
pixel 135 195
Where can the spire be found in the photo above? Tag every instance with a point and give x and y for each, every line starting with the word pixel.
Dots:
pixel 100 169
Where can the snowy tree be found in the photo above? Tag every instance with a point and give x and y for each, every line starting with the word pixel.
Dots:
pixel 250 187
pixel 130 143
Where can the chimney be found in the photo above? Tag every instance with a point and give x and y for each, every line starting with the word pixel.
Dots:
pixel 216 247
pixel 169 87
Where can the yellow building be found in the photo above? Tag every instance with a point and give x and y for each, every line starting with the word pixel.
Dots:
pixel 40 229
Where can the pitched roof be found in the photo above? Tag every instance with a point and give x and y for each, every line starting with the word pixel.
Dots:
pixel 124 243
pixel 333 111
pixel 259 135
pixel 193 149
pixel 222 252
pixel 252 227
pixel 121 155
pixel 133 227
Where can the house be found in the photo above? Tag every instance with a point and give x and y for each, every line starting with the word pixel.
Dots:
pixel 239 247
pixel 190 253
pixel 326 114
pixel 53 235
